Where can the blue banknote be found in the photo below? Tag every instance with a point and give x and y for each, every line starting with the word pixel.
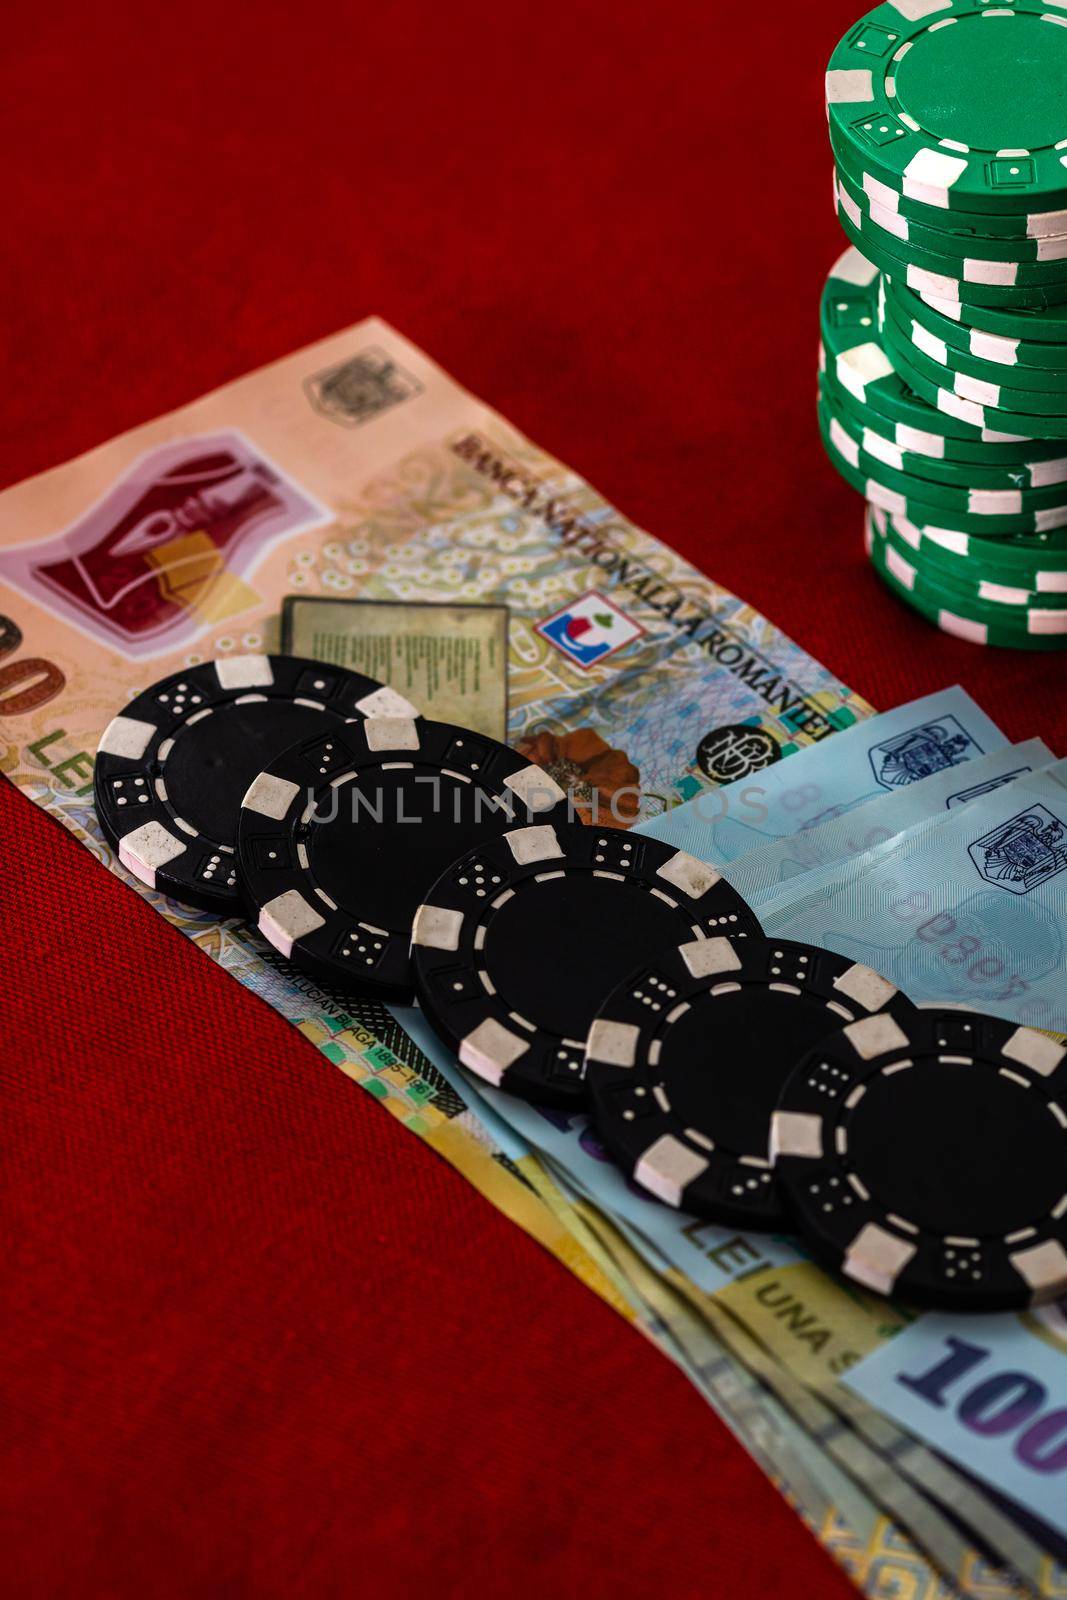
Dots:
pixel 875 757
pixel 855 840
pixel 775 868
pixel 969 908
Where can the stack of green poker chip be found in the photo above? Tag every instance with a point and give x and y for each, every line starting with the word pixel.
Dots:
pixel 962 505
pixel 1023 623
pixel 977 399
pixel 943 365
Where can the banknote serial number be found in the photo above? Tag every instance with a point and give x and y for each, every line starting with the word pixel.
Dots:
pixel 969 961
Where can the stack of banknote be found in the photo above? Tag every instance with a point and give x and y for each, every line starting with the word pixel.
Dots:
pixel 353 503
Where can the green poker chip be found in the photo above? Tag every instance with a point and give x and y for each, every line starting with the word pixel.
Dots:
pixel 959 488
pixel 911 497
pixel 943 279
pixel 1022 263
pixel 987 374
pixel 960 225
pixel 1030 562
pixel 855 357
pixel 924 455
pixel 941 388
pixel 1010 600
pixel 1043 324
pixel 954 613
pixel 995 402
pixel 1027 461
pixel 959 104
pixel 998 352
pixel 972 379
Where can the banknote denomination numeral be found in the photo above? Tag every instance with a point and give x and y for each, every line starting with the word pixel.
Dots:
pixel 26 684
pixel 1009 1402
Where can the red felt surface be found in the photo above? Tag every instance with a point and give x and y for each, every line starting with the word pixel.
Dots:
pixel 258 1340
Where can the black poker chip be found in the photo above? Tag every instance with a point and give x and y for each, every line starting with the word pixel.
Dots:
pixel 172 767
pixel 342 835
pixel 520 940
pixel 687 1058
pixel 926 1157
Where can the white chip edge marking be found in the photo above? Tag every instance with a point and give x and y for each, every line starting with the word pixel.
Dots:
pixel 490 1049
pixel 1044 1268
pixel 875 1036
pixel 863 364
pixel 866 987
pixel 881 449
pixel 126 737
pixel 243 672
pixel 880 194
pixel 993 347
pixel 849 86
pixel 902 570
pixel 929 343
pixel 537 791
pixel 147 849
pixel 796 1133
pixel 995 274
pixel 1043 474
pixel 270 797
pixel 386 702
pixel 1045 224
pixel 528 845
pixel 287 918
pixel 391 733
pixel 853 267
pixel 1046 622
pixel 929 176
pixel 919 442
pixel 613 1043
pixel 877 1258
pixel 844 444
pixel 962 627
pixel 995 502
pixel 688 875
pixel 437 928
pixel 1034 1050
pixel 917 10
pixel 707 957
pixel 667 1167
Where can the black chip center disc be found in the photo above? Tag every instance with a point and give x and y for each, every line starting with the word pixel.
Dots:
pixel 215 760
pixel 724 1062
pixel 427 819
pixel 959 1122
pixel 556 949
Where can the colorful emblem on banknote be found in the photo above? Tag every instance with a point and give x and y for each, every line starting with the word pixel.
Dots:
pixel 159 555
pixel 588 629
pixel 922 751
pixel 1024 852
pixel 360 388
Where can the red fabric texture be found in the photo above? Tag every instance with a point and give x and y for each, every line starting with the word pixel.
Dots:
pixel 258 1339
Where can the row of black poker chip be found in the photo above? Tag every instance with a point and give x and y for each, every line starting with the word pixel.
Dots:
pixel 563 962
